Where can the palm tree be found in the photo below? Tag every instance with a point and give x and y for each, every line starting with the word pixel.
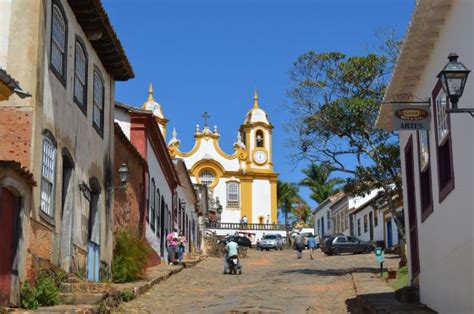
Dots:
pixel 319 182
pixel 287 194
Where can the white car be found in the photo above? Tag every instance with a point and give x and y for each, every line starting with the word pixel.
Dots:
pixel 271 241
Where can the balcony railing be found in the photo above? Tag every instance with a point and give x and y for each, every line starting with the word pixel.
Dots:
pixel 244 226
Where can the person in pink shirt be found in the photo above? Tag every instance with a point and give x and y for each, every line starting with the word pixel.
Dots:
pixel 172 246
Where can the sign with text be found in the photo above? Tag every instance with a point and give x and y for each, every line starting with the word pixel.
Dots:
pixel 411 117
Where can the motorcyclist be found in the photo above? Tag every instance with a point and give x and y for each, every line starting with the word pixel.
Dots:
pixel 232 249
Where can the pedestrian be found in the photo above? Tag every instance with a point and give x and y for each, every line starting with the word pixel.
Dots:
pixel 299 246
pixel 181 245
pixel 172 244
pixel 245 219
pixel 311 245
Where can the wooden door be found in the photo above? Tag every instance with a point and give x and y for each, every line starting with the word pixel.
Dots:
pixel 411 206
pixel 8 215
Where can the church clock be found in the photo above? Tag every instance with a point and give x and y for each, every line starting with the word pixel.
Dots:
pixel 260 157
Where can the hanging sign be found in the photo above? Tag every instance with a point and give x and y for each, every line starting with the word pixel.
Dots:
pixel 411 116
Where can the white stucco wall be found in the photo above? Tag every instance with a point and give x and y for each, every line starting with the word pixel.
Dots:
pixel 207 151
pixel 261 200
pixel 5 8
pixel 323 212
pixel 123 120
pixel 378 230
pixel 446 237
pixel 156 173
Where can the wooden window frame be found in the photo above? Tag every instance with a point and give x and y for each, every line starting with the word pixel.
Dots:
pixel 48 137
pixel 425 180
pixel 98 128
pixel 60 76
pixel 443 149
pixel 83 106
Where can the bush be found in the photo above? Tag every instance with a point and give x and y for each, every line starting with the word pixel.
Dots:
pixel 28 297
pixel 130 257
pixel 47 288
pixel 127 295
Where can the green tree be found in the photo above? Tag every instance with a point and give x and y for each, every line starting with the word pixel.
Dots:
pixel 335 101
pixel 317 179
pixel 287 195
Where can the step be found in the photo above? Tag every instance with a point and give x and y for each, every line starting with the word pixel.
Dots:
pixel 81 298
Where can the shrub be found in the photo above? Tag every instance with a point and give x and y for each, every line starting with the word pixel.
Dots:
pixel 130 257
pixel 47 289
pixel 28 297
pixel 127 295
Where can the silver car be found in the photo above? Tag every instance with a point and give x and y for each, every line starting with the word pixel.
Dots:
pixel 271 241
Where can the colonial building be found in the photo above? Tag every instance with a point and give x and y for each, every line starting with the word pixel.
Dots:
pixel 437 164
pixel 244 181
pixel 142 128
pixel 67 55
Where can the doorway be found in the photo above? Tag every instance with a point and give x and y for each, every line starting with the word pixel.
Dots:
pixel 389 234
pixel 67 213
pixel 411 206
pixel 93 246
pixel 9 235
pixel 371 226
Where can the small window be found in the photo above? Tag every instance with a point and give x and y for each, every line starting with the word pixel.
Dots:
pixel 366 223
pixel 58 42
pixel 426 194
pixel 152 205
pixel 98 110
pixel 207 177
pixel 443 143
pixel 341 239
pixel 48 172
pixel 80 77
pixel 259 139
pixel 233 194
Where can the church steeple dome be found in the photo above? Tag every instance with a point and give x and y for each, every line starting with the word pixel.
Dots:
pixel 256 114
pixel 152 105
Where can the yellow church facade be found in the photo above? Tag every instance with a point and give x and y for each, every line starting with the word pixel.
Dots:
pixel 244 181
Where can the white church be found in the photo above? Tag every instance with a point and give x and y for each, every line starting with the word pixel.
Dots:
pixel 243 181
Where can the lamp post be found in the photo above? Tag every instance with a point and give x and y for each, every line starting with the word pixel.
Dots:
pixel 453 78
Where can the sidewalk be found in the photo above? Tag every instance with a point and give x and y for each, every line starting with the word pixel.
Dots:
pixel 375 296
pixel 87 298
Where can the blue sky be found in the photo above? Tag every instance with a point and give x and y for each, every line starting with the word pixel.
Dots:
pixel 210 55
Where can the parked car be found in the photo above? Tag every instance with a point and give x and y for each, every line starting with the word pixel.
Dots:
pixel 338 244
pixel 271 241
pixel 241 241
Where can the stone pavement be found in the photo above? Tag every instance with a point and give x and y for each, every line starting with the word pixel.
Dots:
pixel 272 282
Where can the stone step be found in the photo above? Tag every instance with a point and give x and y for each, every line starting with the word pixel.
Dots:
pixel 85 287
pixel 81 298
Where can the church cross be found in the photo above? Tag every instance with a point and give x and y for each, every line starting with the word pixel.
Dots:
pixel 206 116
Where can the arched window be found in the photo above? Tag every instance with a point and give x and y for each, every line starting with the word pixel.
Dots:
pixel 233 194
pixel 259 138
pixel 207 177
pixel 152 205
pixel 98 108
pixel 48 173
pixel 58 42
pixel 80 77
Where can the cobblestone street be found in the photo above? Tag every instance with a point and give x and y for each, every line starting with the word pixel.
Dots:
pixel 271 282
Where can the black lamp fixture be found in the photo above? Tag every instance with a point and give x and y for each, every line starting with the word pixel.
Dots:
pixel 123 176
pixel 453 78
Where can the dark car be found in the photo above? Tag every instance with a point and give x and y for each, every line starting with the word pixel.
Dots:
pixel 241 241
pixel 338 244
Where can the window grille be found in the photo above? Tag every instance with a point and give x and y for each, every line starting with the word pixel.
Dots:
pixel 47 177
pixel 80 76
pixel 98 110
pixel 207 177
pixel 58 38
pixel 233 194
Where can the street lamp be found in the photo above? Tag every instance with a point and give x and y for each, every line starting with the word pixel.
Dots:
pixel 123 176
pixel 453 78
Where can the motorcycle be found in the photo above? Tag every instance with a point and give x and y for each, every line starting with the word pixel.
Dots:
pixel 233 262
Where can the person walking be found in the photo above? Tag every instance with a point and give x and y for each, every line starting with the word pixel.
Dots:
pixel 172 245
pixel 181 246
pixel 311 245
pixel 299 246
